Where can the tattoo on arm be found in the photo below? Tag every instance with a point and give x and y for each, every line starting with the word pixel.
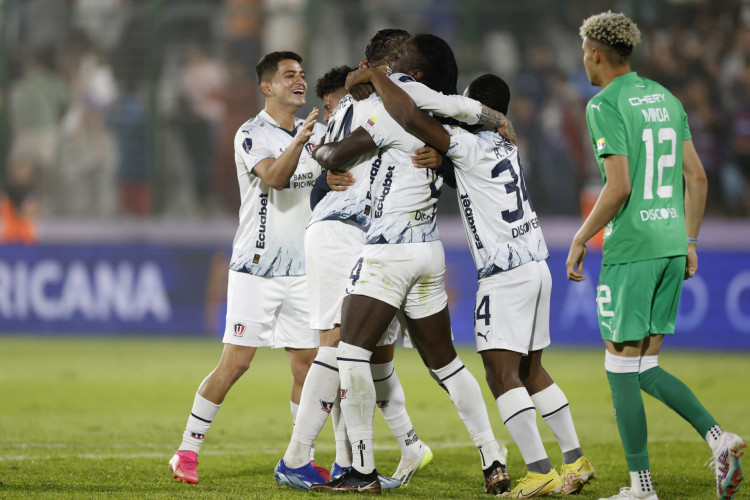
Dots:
pixel 497 119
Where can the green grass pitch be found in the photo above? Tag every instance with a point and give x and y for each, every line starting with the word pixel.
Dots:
pixel 100 418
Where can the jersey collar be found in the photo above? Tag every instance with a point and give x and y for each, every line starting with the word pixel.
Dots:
pixel 264 114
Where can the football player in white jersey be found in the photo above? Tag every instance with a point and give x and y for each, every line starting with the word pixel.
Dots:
pixel 402 265
pixel 267 294
pixel 513 299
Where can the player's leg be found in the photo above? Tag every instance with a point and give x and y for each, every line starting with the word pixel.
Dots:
pixel 623 302
pixel 726 447
pixel 294 334
pixel 548 397
pixel 428 320
pixel 327 245
pixel 249 324
pixel 391 400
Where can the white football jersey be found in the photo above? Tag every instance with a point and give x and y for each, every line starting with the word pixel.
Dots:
pixel 404 197
pixel 270 238
pixel 355 204
pixel 499 218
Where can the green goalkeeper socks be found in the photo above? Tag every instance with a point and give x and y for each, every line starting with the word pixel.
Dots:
pixel 631 418
pixel 676 395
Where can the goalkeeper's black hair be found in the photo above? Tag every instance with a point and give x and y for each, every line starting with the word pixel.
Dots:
pixel 490 90
pixel 332 81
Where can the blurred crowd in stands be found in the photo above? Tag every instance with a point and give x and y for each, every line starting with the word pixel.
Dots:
pixel 122 108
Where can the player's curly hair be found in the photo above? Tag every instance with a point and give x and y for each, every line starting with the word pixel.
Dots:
pixel 269 64
pixel 613 30
pixel 437 62
pixel 384 42
pixel 332 81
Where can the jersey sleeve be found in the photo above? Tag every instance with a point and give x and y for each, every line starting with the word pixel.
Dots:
pixel 386 132
pixel 459 107
pixel 607 129
pixel 250 145
pixel 463 149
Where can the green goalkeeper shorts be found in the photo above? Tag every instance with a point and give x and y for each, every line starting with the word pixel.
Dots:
pixel 637 299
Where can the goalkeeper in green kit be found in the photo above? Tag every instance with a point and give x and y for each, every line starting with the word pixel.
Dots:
pixel 643 145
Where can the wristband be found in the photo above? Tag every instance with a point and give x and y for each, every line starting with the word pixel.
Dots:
pixel 692 241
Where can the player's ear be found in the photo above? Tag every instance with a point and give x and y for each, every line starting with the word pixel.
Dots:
pixel 364 64
pixel 417 74
pixel 265 87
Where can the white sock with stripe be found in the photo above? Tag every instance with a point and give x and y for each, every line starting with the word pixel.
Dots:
pixel 358 403
pixel 201 416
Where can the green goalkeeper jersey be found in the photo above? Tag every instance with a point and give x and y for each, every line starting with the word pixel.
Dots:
pixel 642 120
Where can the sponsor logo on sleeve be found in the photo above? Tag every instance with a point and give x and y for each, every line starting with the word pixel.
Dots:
pixel 372 121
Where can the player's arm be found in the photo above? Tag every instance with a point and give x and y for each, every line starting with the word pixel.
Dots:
pixel 614 194
pixel 340 155
pixel 696 188
pixel 402 108
pixel 276 172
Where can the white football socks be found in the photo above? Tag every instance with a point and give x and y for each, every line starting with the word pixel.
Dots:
pixel 390 398
pixel 466 395
pixel 358 403
pixel 555 410
pixel 519 416
pixel 201 416
pixel 316 402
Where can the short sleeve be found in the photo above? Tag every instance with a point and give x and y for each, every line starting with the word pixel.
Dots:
pixel 252 146
pixel 607 129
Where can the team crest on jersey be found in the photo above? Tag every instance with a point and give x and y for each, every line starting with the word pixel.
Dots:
pixel 406 78
pixel 256 259
pixel 601 144
pixel 326 406
pixel 247 145
pixel 309 147
pixel 343 392
pixel 239 329
pixel 382 404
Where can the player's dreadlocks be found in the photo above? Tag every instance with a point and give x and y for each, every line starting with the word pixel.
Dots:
pixel 613 30
pixel 385 42
pixel 332 81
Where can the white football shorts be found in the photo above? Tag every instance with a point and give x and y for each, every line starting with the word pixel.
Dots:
pixel 332 248
pixel 268 312
pixel 512 309
pixel 408 275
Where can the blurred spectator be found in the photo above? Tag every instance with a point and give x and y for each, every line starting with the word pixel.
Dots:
pixel 88 156
pixel 240 101
pixel 18 205
pixel 741 136
pixel 203 80
pixel 36 104
pixel 102 21
pixel 243 25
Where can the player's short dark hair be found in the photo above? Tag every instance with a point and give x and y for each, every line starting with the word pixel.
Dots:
pixel 332 81
pixel 384 42
pixel 269 64
pixel 437 62
pixel 490 90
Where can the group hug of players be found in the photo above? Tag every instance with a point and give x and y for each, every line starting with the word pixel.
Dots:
pixel 333 269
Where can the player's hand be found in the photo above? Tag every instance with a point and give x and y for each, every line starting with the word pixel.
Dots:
pixel 338 180
pixel 358 76
pixel 306 130
pixel 574 263
pixel 362 91
pixel 691 267
pixel 427 157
